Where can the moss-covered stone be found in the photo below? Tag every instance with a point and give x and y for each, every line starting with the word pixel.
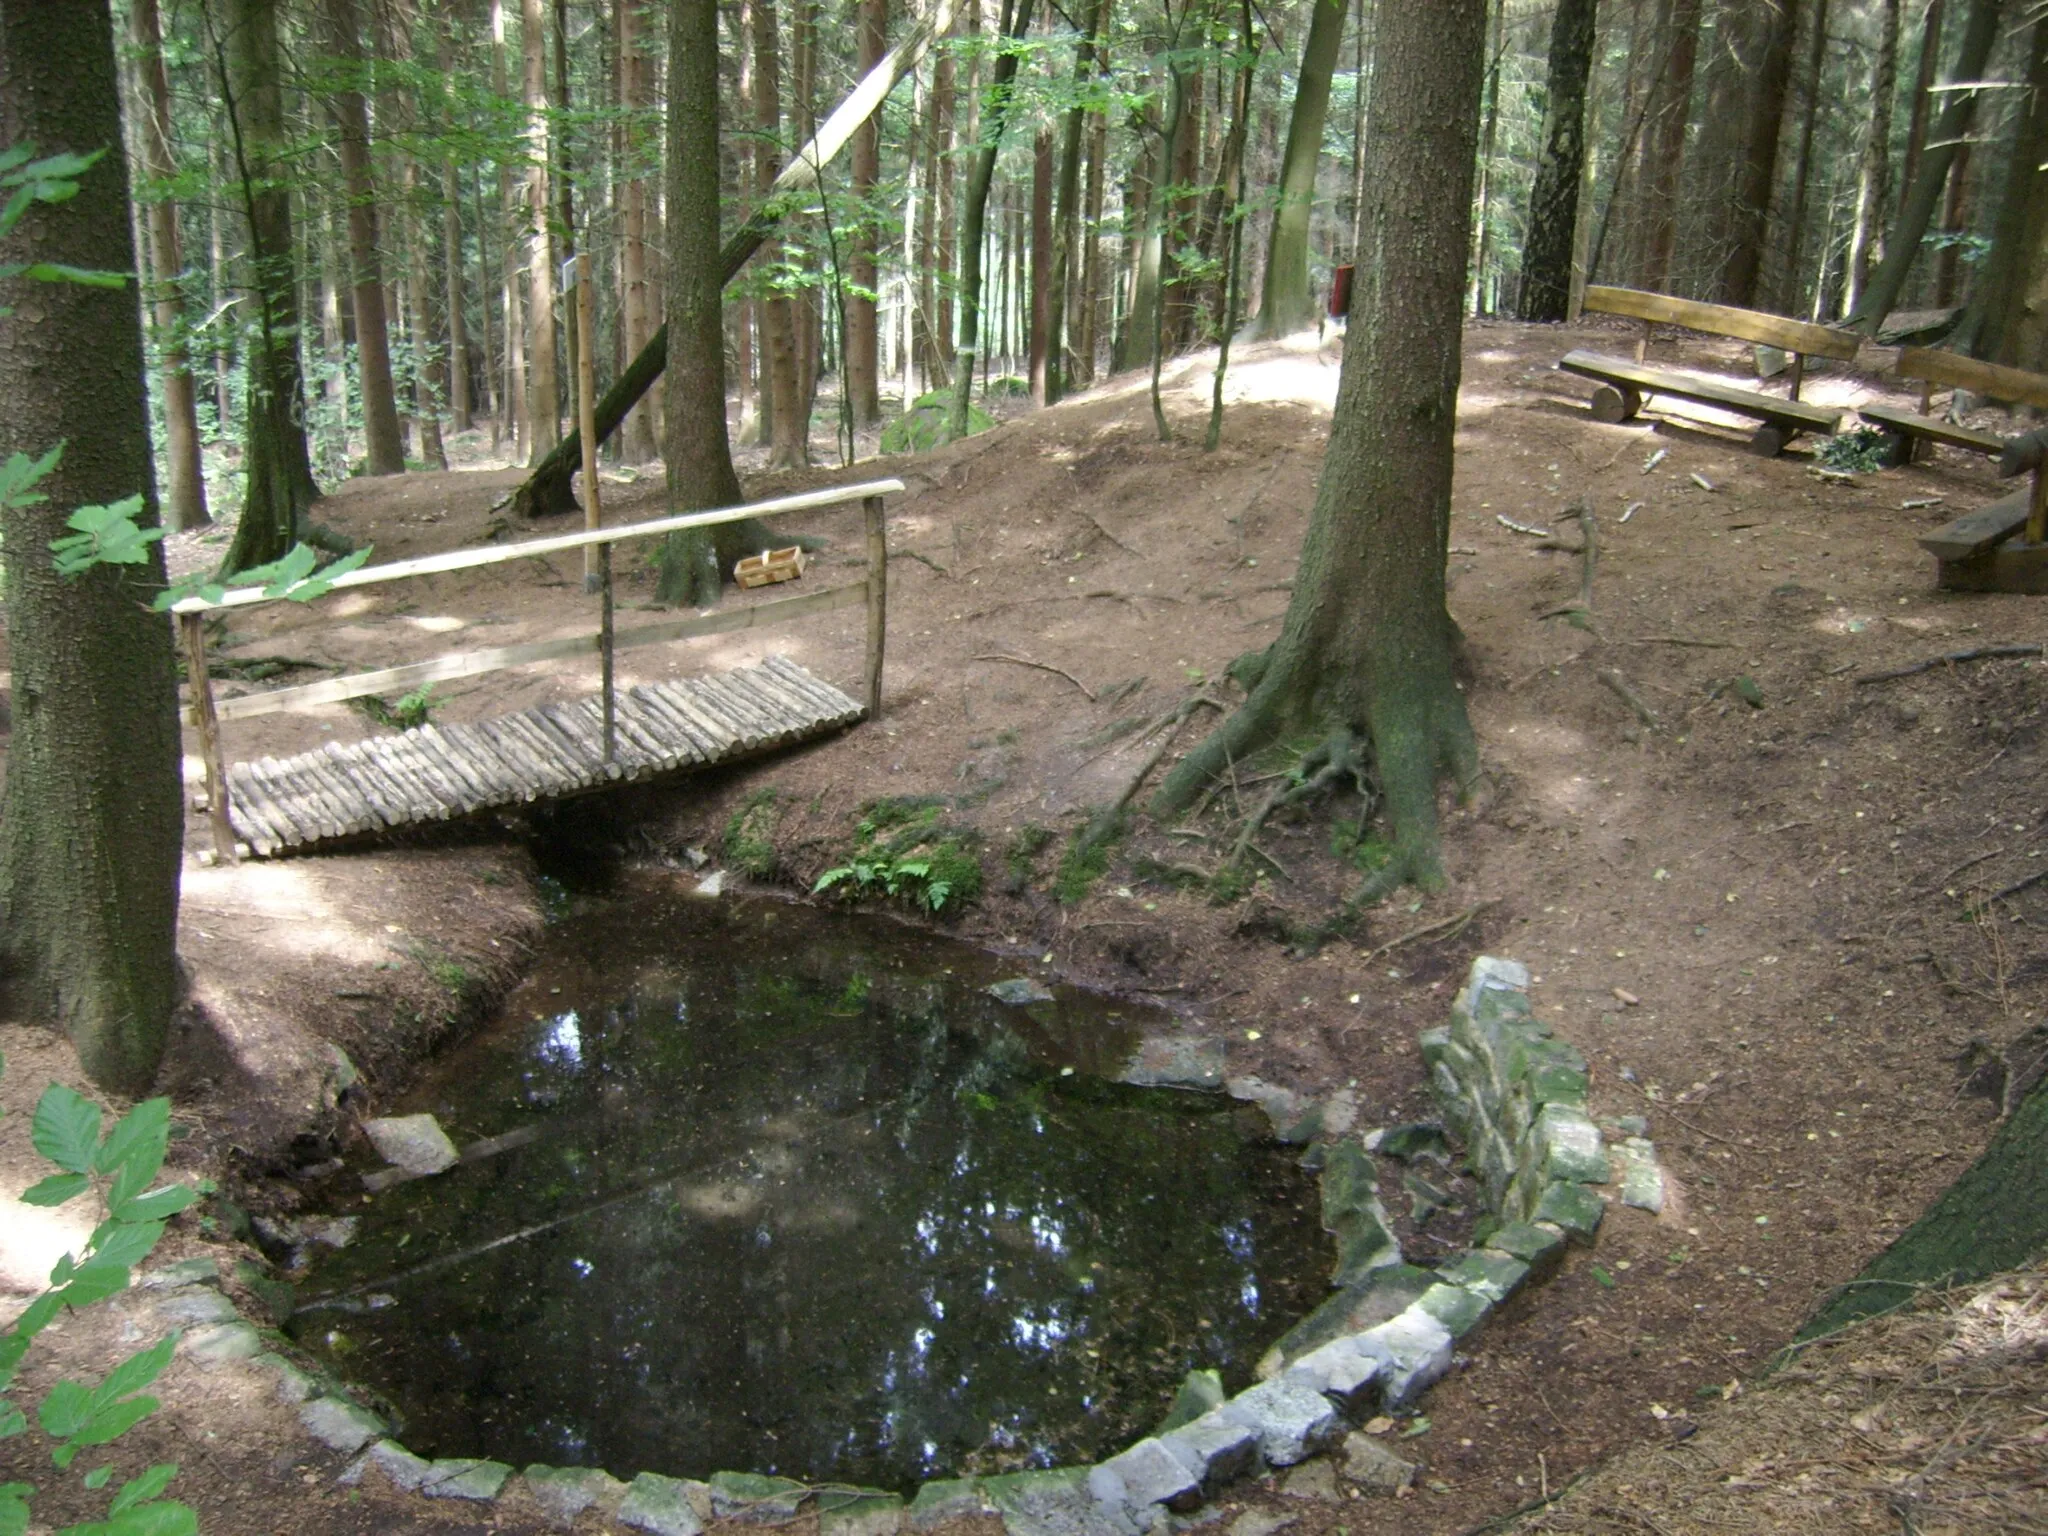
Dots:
pixel 1573 1207
pixel 1199 1392
pixel 1458 1309
pixel 1353 1215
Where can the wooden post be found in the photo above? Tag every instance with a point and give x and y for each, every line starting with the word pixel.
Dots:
pixel 606 649
pixel 192 629
pixel 2037 508
pixel 586 413
pixel 878 600
pixel 1643 341
pixel 1798 373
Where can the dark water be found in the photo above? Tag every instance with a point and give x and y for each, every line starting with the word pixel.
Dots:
pixel 799 1198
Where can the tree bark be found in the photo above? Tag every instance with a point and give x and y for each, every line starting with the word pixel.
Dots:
pixel 634 98
pixel 1089 335
pixel 543 391
pixel 1795 230
pixel 995 110
pixel 699 457
pixel 1744 273
pixel 1043 390
pixel 1666 155
pixel 1951 123
pixel 1489 135
pixel 185 497
pixel 1993 323
pixel 460 407
pixel 788 427
pixel 1285 303
pixel 92 815
pixel 1873 172
pixel 863 337
pixel 1554 204
pixel 1367 642
pixel 1067 230
pixel 384 449
pixel 1923 96
pixel 280 470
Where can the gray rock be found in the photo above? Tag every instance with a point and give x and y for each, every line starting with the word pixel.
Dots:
pixel 1283 1106
pixel 333 1231
pixel 414 1143
pixel 200 1271
pixel 1642 1181
pixel 1337 1370
pixel 1494 1276
pixel 1261 1522
pixel 662 1505
pixel 221 1342
pixel 563 1493
pixel 1216 1449
pixel 293 1384
pixel 466 1477
pixel 340 1425
pixel 1176 1061
pixel 195 1306
pixel 1019 990
pixel 946 1498
pixel 1458 1309
pixel 1147 1473
pixel 1414 1351
pixel 1311 1480
pixel 1374 1467
pixel 1353 1215
pixel 752 1496
pixel 1059 1503
pixel 1572 1207
pixel 1199 1392
pixel 403 1470
pixel 1292 1422
pixel 870 1512
pixel 712 884
pixel 1569 1145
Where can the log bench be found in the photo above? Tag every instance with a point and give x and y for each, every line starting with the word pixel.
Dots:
pixel 1623 384
pixel 1934 369
pixel 1979 552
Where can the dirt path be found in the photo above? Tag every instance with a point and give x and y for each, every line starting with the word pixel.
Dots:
pixel 1754 918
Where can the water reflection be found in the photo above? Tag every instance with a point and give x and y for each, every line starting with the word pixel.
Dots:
pixel 804 1200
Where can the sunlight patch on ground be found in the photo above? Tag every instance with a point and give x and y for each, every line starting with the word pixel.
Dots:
pixel 437 623
pixel 31 1241
pixel 281 898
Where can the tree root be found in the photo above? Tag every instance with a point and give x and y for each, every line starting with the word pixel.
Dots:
pixel 1321 767
pixel 1104 824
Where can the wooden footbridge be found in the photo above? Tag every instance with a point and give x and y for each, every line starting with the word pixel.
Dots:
pixel 442 772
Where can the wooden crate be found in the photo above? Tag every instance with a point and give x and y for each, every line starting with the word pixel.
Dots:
pixel 771 566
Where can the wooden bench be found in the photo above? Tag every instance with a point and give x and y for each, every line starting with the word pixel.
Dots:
pixel 1978 552
pixel 1934 369
pixel 1624 384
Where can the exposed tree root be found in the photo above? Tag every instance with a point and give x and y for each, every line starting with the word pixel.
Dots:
pixel 1337 758
pixel 1104 824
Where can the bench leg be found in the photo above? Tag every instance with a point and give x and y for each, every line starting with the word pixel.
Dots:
pixel 1770 440
pixel 1898 450
pixel 1611 404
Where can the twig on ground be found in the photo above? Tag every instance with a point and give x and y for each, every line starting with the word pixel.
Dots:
pixel 1616 684
pixel 1449 927
pixel 1589 550
pixel 1103 824
pixel 1514 527
pixel 925 560
pixel 1025 661
pixel 2019 885
pixel 1684 640
pixel 1981 653
pixel 1664 1108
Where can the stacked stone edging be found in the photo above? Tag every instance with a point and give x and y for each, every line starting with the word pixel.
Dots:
pixel 1513 1095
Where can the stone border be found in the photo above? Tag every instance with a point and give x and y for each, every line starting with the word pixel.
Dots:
pixel 1513 1095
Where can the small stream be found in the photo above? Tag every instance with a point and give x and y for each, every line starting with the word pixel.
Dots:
pixel 785 1190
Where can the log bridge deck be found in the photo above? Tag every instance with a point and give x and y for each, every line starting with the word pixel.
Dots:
pixel 443 772
pixel 615 736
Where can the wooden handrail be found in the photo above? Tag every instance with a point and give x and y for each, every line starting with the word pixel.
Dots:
pixel 466 559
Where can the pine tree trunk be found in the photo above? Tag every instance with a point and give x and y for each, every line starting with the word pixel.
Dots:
pixel 1950 124
pixel 1998 303
pixel 1666 152
pixel 1924 70
pixel 804 126
pixel 1955 223
pixel 1366 646
pixel 863 373
pixel 1802 172
pixel 429 349
pixel 1286 304
pixel 279 468
pixel 788 427
pixel 1743 275
pixel 1067 229
pixel 185 496
pixel 1873 174
pixel 942 193
pixel 384 449
pixel 638 444
pixel 1043 390
pixel 1087 347
pixel 698 456
pixel 93 813
pixel 1554 204
pixel 1476 302
pixel 995 108
pixel 460 406
pixel 543 389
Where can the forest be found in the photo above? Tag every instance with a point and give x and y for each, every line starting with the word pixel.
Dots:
pixel 524 523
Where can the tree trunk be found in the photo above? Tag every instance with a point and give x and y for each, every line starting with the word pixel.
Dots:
pixel 1873 173
pixel 93 811
pixel 1164 231
pixel 429 351
pixel 945 215
pixel 788 428
pixel 1744 272
pixel 1089 338
pixel 1042 368
pixel 803 119
pixel 1286 304
pixel 1366 646
pixel 543 391
pixel 1924 69
pixel 280 470
pixel 383 448
pixel 1795 230
pixel 1955 223
pixel 1482 235
pixel 699 458
pixel 460 407
pixel 1666 153
pixel 995 110
pixel 1554 205
pixel 634 97
pixel 1998 302
pixel 185 496
pixel 1067 229
pixel 863 357
pixel 1959 108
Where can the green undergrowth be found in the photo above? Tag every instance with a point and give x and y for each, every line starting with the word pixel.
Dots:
pixel 904 849
pixel 924 426
pixel 1020 855
pixel 750 835
pixel 1085 862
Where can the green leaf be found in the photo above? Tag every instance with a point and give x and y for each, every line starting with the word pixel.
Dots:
pixel 56 1189
pixel 294 568
pixel 127 1245
pixel 12 1420
pixel 144 1488
pixel 90 277
pixel 323 582
pixel 63 166
pixel 62 1271
pixel 35 1317
pixel 166 1517
pixel 115 1420
pixel 1603 1277
pixel 137 1371
pixel 97 1477
pixel 14 1508
pixel 20 474
pixel 93 1282
pixel 132 1179
pixel 158 1205
pixel 66 1129
pixel 146 1126
pixel 66 1409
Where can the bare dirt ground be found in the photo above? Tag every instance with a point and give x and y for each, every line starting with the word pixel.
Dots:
pixel 1764 918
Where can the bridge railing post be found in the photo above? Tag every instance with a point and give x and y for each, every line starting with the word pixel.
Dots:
pixel 192 630
pixel 878 600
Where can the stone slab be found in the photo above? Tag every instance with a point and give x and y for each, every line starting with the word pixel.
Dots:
pixel 1058 1503
pixel 755 1497
pixel 293 1384
pixel 1176 1061
pixel 1461 1311
pixel 1569 1145
pixel 1642 1180
pixel 1147 1473
pixel 1019 990
pixel 341 1425
pixel 946 1498
pixel 1337 1370
pixel 200 1271
pixel 466 1477
pixel 219 1343
pixel 663 1505
pixel 1292 1422
pixel 1199 1392
pixel 563 1493
pixel 1414 1351
pixel 1374 1467
pixel 414 1143
pixel 1214 1448
pixel 195 1306
pixel 870 1512
pixel 1572 1207
pixel 400 1467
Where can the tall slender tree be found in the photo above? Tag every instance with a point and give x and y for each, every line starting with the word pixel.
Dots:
pixel 1365 651
pixel 543 389
pixel 863 371
pixel 995 113
pixel 1285 302
pixel 1992 324
pixel 1873 171
pixel 1554 204
pixel 92 816
pixel 1743 274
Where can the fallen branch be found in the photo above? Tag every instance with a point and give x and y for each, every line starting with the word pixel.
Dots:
pixel 1450 927
pixel 2019 885
pixel 1025 661
pixel 1981 653
pixel 1514 527
pixel 1616 684
pixel 1697 645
